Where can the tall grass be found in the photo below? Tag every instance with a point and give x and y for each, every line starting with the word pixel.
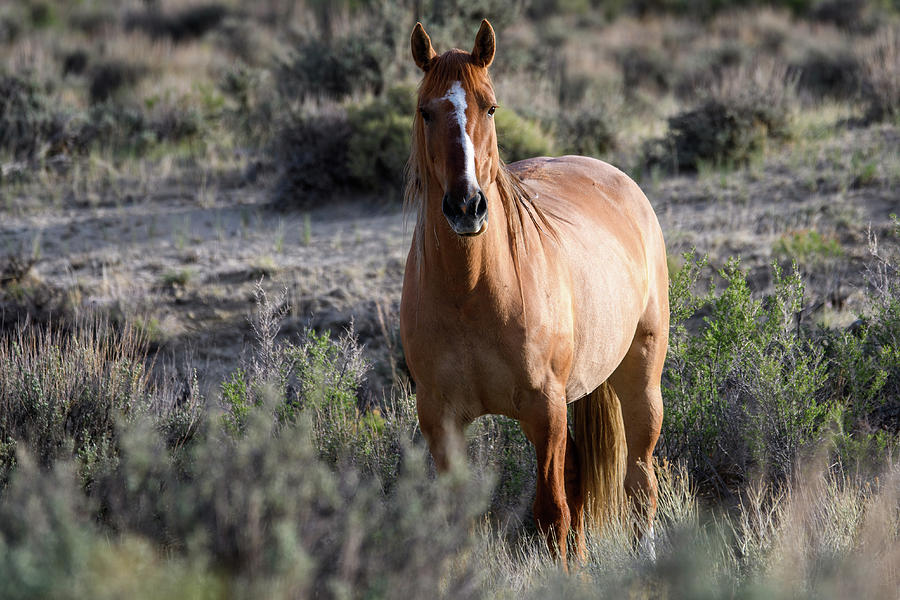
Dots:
pixel 62 395
pixel 293 488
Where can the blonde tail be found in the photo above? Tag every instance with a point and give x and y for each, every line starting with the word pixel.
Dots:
pixel 600 441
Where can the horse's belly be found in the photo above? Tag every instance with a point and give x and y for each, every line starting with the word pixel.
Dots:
pixel 604 328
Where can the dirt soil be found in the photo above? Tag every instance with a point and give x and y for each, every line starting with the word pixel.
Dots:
pixel 185 264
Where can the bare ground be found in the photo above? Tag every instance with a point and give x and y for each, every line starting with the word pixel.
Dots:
pixel 184 264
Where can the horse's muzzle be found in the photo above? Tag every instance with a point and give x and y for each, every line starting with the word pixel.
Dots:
pixel 468 217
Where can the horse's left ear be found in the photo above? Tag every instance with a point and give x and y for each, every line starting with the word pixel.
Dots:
pixel 483 52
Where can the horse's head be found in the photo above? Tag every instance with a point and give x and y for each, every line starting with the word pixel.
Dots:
pixel 454 127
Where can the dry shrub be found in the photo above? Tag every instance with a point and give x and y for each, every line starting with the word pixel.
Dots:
pixel 74 62
pixel 853 15
pixel 745 107
pixel 881 76
pixel 753 85
pixel 30 126
pixel 189 23
pixel 312 154
pixel 836 536
pixel 14 269
pixel 826 535
pixel 327 148
pixel 91 20
pixel 61 395
pixel 108 78
pixel 25 297
pixel 335 69
pixel 828 68
pixel 587 131
pixel 644 66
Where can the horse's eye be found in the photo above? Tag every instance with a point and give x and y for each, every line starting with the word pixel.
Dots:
pixel 491 111
pixel 425 116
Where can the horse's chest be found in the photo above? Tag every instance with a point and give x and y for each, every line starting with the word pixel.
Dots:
pixel 479 357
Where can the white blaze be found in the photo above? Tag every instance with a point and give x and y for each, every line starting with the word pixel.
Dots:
pixel 457 97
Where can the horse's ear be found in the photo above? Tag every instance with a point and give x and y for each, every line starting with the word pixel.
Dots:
pixel 422 51
pixel 483 52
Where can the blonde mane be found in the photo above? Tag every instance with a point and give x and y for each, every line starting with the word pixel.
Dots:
pixel 456 65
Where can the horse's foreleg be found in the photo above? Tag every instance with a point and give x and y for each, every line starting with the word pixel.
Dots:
pixel 442 430
pixel 544 423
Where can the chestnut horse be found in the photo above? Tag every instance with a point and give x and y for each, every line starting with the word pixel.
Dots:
pixel 527 287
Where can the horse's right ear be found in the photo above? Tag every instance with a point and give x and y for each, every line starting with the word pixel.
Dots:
pixel 422 51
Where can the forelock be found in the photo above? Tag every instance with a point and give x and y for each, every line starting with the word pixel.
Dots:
pixel 456 65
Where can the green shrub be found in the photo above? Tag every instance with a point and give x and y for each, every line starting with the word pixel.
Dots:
pixel 305 496
pixel 45 536
pixel 379 143
pixel 42 15
pixel 713 133
pixel 807 247
pixel 326 375
pixel 520 138
pixel 34 127
pixel 252 505
pixel 260 514
pixel 237 402
pixel 317 379
pixel 746 393
pixel 865 373
pixel 253 108
pixel 113 126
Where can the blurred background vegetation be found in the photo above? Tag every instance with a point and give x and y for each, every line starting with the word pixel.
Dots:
pixel 290 477
pixel 311 92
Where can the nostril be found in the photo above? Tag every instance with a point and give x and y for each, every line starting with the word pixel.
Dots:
pixel 445 205
pixel 480 204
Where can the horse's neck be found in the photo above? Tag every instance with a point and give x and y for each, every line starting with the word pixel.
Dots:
pixel 459 265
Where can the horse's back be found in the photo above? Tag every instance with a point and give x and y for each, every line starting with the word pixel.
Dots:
pixel 578 187
pixel 611 243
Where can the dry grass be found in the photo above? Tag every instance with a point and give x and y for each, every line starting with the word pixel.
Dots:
pixel 827 535
pixel 881 75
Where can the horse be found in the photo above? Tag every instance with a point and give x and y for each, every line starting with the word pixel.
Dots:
pixel 527 287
